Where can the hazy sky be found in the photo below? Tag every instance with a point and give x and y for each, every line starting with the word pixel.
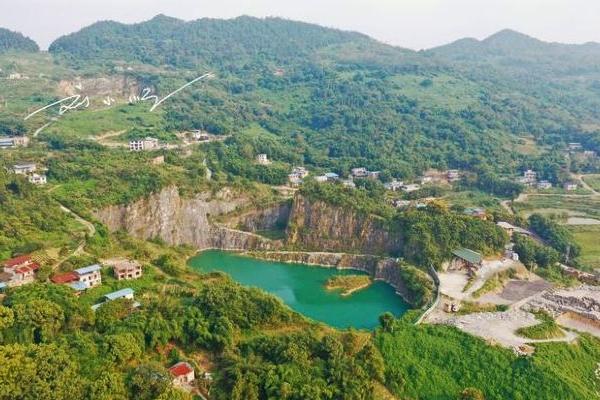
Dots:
pixel 415 24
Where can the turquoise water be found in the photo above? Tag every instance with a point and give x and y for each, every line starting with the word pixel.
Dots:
pixel 301 287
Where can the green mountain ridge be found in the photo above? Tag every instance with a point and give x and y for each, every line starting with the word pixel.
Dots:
pixel 10 40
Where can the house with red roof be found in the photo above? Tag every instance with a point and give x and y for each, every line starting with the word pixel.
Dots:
pixel 65 278
pixel 19 271
pixel 182 373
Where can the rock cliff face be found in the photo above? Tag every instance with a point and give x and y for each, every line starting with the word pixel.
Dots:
pixel 379 268
pixel 177 220
pixel 315 225
pixel 274 217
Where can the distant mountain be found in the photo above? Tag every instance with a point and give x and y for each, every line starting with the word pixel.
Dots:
pixel 514 50
pixel 166 40
pixel 10 40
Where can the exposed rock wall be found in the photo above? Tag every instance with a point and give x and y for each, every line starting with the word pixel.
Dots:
pixel 177 220
pixel 273 217
pixel 315 225
pixel 379 268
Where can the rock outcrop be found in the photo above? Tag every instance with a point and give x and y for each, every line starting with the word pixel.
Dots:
pixel 176 220
pixel 386 269
pixel 316 225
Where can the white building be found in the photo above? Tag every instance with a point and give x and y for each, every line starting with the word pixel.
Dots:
pixel 15 141
pixel 262 159
pixel 453 175
pixel 570 186
pixel 394 185
pixel 360 172
pixel 182 373
pixel 411 187
pixel 25 168
pixel 37 179
pixel 90 275
pixel 145 144
pixel 544 185
pixel 529 176
pixel 300 172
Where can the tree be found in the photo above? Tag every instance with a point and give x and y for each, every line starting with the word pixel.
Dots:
pixel 122 347
pixel 39 319
pixel 386 321
pixel 148 381
pixel 471 394
pixel 107 386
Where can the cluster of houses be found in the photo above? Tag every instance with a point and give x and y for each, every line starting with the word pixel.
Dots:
pixel 529 179
pixel 18 271
pixel 576 147
pixel 13 141
pixel 146 144
pixel 30 171
pixel 84 278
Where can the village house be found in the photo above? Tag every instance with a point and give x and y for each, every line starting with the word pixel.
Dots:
pixel 529 177
pixel 300 172
pixel 37 179
pixel 70 279
pixel 589 153
pixel 348 183
pixel 360 172
pixel 465 259
pixel 544 185
pixel 575 146
pixel 478 213
pixel 182 373
pixel 321 178
pixel 145 144
pixel 19 271
pixel 127 269
pixel 332 176
pixel 90 275
pixel 394 185
pixel 126 293
pixel 411 187
pixel 453 175
pixel 15 141
pixel 570 186
pixel 24 169
pixel 262 159
pixel 510 228
pixel 297 175
pixel 373 174
pixel 399 203
pixel 426 179
pixel 200 136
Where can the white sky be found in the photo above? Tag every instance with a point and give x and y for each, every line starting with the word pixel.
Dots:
pixel 414 24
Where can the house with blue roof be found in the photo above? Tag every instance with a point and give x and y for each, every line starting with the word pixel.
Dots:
pixel 90 275
pixel 126 293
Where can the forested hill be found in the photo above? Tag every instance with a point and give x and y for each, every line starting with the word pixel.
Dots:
pixel 511 50
pixel 337 99
pixel 10 40
pixel 165 40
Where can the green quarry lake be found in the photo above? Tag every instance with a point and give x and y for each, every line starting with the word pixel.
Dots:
pixel 301 287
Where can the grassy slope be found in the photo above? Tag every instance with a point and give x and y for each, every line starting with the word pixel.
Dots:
pixel 435 362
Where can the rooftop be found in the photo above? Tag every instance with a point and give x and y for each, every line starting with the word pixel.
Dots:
pixel 181 368
pixel 78 286
pixel 13 262
pixel 119 294
pixel 468 255
pixel 64 278
pixel 89 269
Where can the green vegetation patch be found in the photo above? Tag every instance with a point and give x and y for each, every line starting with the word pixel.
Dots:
pixel 348 284
pixel 546 329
